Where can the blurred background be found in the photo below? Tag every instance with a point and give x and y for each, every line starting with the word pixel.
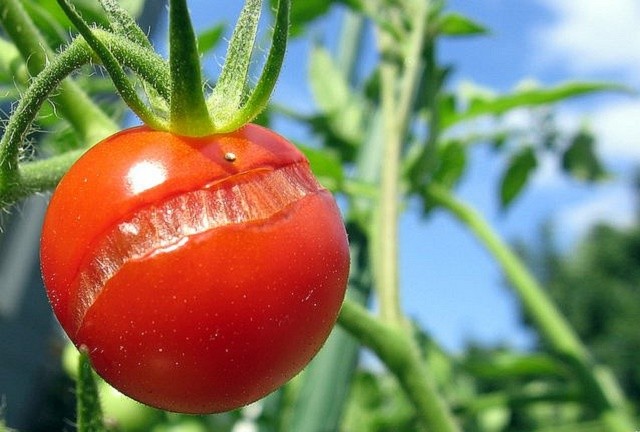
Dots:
pixel 579 232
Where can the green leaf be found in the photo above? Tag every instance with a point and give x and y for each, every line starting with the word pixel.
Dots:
pixel 356 5
pixel 209 39
pixel 54 31
pixel 452 161
pixel 518 172
pixel 305 11
pixel 328 84
pixel 325 165
pixel 445 168
pixel 453 24
pixel 580 159
pixel 343 110
pixel 446 106
pixel 529 97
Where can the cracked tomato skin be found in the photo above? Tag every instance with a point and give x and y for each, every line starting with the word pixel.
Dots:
pixel 200 273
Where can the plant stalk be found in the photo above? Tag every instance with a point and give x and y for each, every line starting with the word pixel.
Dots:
pixel 91 123
pixel 397 110
pixel 387 217
pixel 25 113
pixel 397 350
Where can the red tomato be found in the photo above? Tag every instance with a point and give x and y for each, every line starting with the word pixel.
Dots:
pixel 200 273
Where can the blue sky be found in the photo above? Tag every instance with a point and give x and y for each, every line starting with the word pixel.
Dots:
pixel 450 285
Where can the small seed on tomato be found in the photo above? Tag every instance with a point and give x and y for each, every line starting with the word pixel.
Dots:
pixel 230 156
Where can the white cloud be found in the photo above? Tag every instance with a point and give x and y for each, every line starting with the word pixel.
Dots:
pixel 614 205
pixel 616 126
pixel 548 174
pixel 591 36
pixel 599 39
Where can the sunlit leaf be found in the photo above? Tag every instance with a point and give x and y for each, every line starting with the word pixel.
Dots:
pixel 518 172
pixel 329 87
pixel 343 110
pixel 453 24
pixel 446 107
pixel 529 97
pixel 209 38
pixel 305 11
pixel 325 165
pixel 506 365
pixel 452 161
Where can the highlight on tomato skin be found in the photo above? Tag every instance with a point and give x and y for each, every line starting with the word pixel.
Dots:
pixel 200 273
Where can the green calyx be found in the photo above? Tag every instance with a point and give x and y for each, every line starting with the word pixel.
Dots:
pixel 185 109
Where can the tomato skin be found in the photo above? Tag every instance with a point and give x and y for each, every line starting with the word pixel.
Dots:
pixel 222 317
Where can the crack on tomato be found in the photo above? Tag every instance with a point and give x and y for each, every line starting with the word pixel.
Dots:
pixel 248 197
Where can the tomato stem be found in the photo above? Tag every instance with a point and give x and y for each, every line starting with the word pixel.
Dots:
pixel 73 57
pixel 397 104
pixel 189 113
pixel 147 64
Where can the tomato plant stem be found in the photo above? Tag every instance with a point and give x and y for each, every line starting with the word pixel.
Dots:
pixel 603 391
pixel 387 217
pixel 86 117
pixel 396 348
pixel 43 175
pixel 397 108
pixel 26 111
pixel 413 68
pixel 189 113
pixel 123 24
